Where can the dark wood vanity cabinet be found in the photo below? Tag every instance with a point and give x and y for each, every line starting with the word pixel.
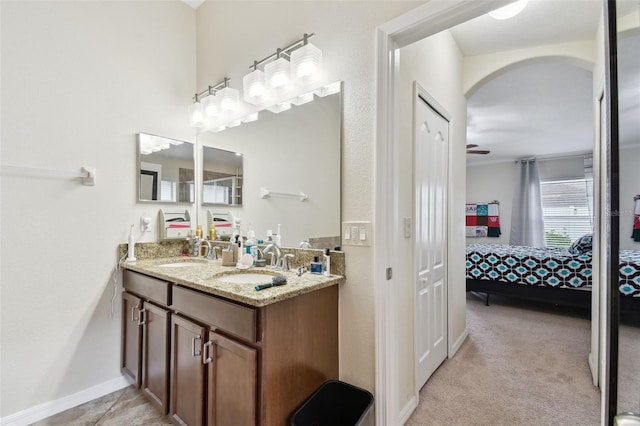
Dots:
pixel 228 363
pixel 187 372
pixel 131 337
pixel 146 336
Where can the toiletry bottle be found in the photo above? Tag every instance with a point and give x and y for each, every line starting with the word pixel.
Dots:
pixel 199 231
pixel 212 232
pixel 131 246
pixel 190 241
pixel 279 237
pixel 316 266
pixel 327 263
pixel 196 247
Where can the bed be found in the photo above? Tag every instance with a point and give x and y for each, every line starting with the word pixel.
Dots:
pixel 562 276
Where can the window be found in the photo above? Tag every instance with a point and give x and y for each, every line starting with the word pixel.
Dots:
pixel 168 189
pixel 567 210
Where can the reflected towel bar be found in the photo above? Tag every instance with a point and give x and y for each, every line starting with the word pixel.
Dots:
pixel 265 193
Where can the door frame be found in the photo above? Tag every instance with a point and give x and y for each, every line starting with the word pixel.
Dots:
pixel 417 24
pixel 420 92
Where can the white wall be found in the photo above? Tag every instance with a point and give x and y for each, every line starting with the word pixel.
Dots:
pixel 493 182
pixel 345 31
pixel 442 79
pixel 79 80
pixel 629 187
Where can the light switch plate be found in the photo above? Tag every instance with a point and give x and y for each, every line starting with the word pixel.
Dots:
pixel 357 233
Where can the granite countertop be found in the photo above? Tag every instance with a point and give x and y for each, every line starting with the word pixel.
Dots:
pixel 205 276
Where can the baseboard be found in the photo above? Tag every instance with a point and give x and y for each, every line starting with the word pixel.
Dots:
pixel 456 345
pixel 407 410
pixel 593 366
pixel 49 408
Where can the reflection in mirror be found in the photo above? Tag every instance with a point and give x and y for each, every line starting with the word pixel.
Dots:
pixel 628 46
pixel 165 170
pixel 291 152
pixel 221 176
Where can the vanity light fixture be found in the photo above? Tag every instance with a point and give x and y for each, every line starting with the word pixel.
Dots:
pixel 277 73
pixel 218 98
pixel 196 113
pixel 249 118
pixel 253 83
pixel 278 108
pixel 229 98
pixel 306 63
pixel 509 11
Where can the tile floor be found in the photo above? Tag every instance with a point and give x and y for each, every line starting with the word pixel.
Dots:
pixel 124 407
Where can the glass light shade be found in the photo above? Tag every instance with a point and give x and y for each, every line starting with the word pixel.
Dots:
pixel 278 108
pixel 329 89
pixel 251 117
pixel 306 65
pixel 509 11
pixel 229 99
pixel 196 114
pixel 303 99
pixel 210 106
pixel 254 87
pixel 277 73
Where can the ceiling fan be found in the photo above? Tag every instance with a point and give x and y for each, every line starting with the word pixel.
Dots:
pixel 470 150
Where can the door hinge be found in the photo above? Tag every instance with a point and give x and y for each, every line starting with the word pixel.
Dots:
pixel 389 273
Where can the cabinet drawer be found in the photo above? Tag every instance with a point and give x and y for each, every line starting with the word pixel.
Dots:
pixel 238 320
pixel 149 288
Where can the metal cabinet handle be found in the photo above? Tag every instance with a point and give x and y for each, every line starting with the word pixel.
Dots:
pixel 143 317
pixel 193 346
pixel 207 359
pixel 133 313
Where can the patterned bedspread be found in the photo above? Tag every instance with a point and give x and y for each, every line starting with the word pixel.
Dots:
pixel 545 267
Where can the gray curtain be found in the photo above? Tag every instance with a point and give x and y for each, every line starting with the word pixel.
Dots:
pixel 527 227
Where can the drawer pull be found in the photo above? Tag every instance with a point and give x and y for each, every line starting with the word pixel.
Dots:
pixel 193 346
pixel 207 359
pixel 133 314
pixel 143 316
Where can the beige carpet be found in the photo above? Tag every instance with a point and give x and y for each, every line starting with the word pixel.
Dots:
pixel 523 364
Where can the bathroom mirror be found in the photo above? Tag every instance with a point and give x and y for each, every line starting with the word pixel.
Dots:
pixel 221 177
pixel 165 170
pixel 291 175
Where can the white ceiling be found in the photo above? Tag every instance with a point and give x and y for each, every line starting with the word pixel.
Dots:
pixel 543 109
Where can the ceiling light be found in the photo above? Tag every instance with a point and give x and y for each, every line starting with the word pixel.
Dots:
pixel 509 11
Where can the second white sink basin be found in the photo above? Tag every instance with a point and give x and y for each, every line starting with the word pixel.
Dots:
pixel 253 279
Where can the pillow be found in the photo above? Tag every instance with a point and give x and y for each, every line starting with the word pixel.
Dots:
pixel 581 245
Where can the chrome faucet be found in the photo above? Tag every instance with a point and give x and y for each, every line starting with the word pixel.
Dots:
pixel 208 244
pixel 213 253
pixel 285 261
pixel 274 251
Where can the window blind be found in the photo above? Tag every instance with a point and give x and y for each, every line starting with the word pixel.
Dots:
pixel 567 210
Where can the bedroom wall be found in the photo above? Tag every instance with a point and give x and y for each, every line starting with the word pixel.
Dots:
pixel 497 182
pixel 629 187
pixel 493 182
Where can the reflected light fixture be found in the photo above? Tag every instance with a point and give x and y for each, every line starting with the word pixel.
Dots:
pixel 509 11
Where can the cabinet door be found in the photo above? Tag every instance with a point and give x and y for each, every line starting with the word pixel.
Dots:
pixel 231 382
pixel 187 372
pixel 155 355
pixel 131 337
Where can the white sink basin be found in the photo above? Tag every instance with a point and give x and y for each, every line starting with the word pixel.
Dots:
pixel 253 279
pixel 179 265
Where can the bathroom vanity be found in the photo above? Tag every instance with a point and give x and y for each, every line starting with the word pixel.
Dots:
pixel 208 351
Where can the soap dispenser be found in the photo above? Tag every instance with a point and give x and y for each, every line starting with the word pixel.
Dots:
pixel 131 246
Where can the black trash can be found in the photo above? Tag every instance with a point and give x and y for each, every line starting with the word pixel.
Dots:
pixel 336 403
